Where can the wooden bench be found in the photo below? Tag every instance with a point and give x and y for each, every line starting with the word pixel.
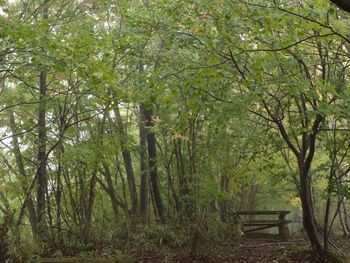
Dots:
pixel 260 224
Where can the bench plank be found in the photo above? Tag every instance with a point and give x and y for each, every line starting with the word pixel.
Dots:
pixel 242 213
pixel 257 228
pixel 266 222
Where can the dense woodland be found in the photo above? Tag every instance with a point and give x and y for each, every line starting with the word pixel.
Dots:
pixel 139 127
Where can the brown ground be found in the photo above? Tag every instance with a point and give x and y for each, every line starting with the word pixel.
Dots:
pixel 265 249
pixel 262 249
pixel 254 249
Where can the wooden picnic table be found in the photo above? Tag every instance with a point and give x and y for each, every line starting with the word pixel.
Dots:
pixel 260 224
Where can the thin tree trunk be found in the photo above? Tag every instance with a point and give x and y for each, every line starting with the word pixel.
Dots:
pixel 152 162
pixel 22 172
pixel 143 164
pixel 346 221
pixel 190 206
pixel 58 195
pixel 326 216
pixel 127 163
pixel 92 185
pixel 41 173
pixel 72 201
pixel 180 169
pixel 41 160
pixel 172 187
pixel 116 202
pixel 90 205
pixel 224 203
pixel 341 220
pixel 309 221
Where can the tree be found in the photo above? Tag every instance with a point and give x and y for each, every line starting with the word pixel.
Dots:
pixel 343 4
pixel 197 102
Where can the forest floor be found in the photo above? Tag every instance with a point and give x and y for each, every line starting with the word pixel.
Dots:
pixel 269 249
pixel 252 249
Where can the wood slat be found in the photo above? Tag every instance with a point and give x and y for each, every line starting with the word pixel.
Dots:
pixel 266 222
pixel 283 212
pixel 258 228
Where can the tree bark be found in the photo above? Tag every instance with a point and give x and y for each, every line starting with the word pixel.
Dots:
pixel 308 214
pixel 343 4
pixel 41 160
pixel 152 162
pixel 116 202
pixel 304 164
pixel 92 185
pixel 22 172
pixel 305 157
pixel 41 173
pixel 58 196
pixel 224 203
pixel 127 163
pixel 171 187
pixel 143 164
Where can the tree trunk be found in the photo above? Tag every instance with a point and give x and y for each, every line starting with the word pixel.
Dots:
pixel 116 202
pixel 326 227
pixel 41 160
pixel 143 164
pixel 224 203
pixel 183 185
pixel 90 205
pixel 127 163
pixel 22 172
pixel 58 196
pixel 309 221
pixel 192 187
pixel 92 184
pixel 171 187
pixel 343 220
pixel 152 162
pixel 41 173
pixel 343 4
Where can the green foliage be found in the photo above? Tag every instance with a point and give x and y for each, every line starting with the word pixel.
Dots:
pixel 157 236
pixel 220 77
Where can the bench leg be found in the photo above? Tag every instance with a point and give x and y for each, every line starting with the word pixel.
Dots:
pixel 283 228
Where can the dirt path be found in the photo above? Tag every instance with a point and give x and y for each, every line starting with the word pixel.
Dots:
pixel 269 250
